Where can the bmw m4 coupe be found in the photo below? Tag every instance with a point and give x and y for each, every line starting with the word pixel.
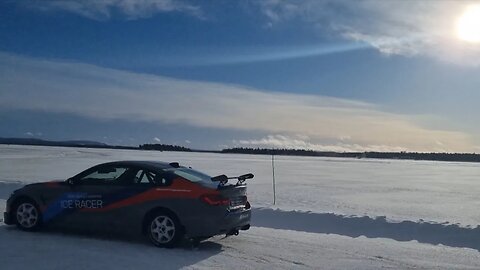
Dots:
pixel 164 201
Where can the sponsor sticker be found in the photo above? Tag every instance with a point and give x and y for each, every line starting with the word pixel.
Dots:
pixel 81 203
pixel 81 200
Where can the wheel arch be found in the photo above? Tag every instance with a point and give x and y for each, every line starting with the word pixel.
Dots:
pixel 25 198
pixel 155 210
pixel 22 198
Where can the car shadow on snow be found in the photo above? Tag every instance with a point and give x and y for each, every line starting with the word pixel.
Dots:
pixel 432 233
pixel 92 250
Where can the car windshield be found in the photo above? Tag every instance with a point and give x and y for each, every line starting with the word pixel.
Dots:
pixel 194 176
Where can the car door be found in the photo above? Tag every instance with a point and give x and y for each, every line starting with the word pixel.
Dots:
pixel 135 194
pixel 94 192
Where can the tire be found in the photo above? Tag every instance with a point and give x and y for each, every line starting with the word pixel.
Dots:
pixel 27 215
pixel 164 230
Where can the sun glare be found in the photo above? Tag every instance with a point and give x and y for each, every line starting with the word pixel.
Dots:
pixel 468 25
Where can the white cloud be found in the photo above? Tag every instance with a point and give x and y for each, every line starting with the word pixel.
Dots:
pixel 296 142
pixel 32 134
pixel 393 27
pixel 188 141
pixel 104 9
pixel 278 141
pixel 157 139
pixel 103 93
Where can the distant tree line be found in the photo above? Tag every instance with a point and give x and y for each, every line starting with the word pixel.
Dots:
pixel 164 147
pixel 266 151
pixel 470 157
pixel 463 157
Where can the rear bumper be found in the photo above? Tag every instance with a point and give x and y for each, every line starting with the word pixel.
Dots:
pixel 237 221
pixel 231 221
pixel 7 218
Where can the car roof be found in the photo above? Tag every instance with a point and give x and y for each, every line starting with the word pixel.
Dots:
pixel 147 164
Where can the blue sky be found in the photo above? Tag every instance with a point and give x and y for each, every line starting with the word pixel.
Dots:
pixel 324 75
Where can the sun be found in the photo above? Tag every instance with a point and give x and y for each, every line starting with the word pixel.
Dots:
pixel 468 25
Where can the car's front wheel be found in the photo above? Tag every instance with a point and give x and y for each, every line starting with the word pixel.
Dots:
pixel 27 216
pixel 164 230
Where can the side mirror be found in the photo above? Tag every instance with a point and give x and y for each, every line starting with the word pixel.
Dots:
pixel 70 181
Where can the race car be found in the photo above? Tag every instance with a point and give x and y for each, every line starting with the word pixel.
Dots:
pixel 164 201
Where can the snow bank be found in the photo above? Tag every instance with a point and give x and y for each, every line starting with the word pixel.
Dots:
pixel 451 235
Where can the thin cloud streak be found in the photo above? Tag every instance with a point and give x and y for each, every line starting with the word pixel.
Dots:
pixel 248 55
pixel 275 54
pixel 103 93
pixel 104 9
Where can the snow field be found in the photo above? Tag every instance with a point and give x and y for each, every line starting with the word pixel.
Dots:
pixel 330 214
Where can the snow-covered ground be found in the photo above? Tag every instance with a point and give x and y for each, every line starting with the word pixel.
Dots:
pixel 260 248
pixel 330 214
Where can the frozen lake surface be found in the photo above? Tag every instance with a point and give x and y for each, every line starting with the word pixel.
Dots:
pixel 397 189
pixel 330 214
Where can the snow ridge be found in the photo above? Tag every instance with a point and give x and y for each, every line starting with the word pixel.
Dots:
pixel 451 235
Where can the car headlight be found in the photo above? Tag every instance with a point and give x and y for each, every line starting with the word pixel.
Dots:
pixel 11 195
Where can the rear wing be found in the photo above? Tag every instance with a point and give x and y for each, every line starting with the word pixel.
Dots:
pixel 223 179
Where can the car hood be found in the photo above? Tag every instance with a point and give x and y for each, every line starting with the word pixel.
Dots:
pixel 45 183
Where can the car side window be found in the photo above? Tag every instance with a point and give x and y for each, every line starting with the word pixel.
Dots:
pixel 145 177
pixel 104 175
pixel 193 176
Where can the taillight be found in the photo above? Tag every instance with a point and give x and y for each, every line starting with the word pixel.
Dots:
pixel 215 200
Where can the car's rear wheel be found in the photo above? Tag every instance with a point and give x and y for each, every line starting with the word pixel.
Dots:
pixel 164 230
pixel 27 216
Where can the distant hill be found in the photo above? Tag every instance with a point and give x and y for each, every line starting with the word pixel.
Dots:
pixel 34 141
pixel 91 144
